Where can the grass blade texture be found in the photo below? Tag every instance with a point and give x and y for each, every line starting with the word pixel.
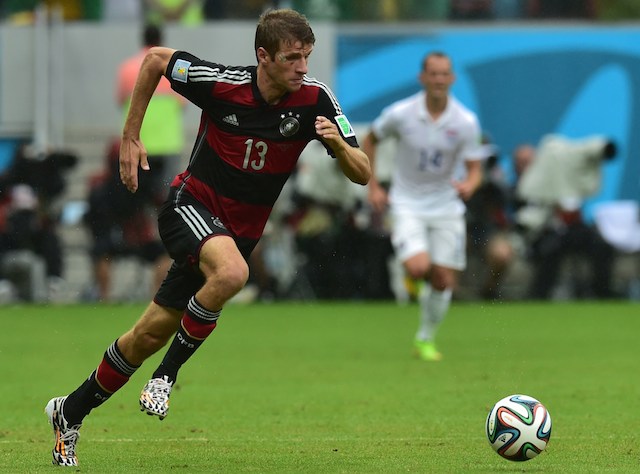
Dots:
pixel 333 388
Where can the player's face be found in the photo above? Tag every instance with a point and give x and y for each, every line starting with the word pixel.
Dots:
pixel 290 64
pixel 437 76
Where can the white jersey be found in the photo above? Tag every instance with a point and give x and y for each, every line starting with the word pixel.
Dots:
pixel 429 154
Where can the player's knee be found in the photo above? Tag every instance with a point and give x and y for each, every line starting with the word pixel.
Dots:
pixel 442 279
pixel 237 276
pixel 418 266
pixel 441 285
pixel 416 273
pixel 229 279
pixel 417 270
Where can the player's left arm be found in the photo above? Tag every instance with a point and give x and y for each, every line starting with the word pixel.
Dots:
pixel 353 162
pixel 473 179
pixel 474 154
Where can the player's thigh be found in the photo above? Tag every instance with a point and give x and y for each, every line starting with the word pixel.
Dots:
pixel 447 238
pixel 221 259
pixel 186 226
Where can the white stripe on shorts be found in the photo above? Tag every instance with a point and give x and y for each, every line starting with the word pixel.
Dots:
pixel 195 221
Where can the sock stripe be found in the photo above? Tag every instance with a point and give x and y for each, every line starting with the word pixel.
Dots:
pixel 199 313
pixel 109 378
pixel 117 360
pixel 196 330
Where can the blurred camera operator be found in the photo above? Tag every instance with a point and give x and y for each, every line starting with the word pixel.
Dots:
pixel 561 174
pixel 30 248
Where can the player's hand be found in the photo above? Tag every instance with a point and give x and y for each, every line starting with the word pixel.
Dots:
pixel 464 188
pixel 378 197
pixel 328 132
pixel 132 155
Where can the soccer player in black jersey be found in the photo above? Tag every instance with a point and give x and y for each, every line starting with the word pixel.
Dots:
pixel 255 123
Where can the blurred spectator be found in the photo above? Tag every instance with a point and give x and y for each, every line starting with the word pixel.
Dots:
pixel 30 249
pixel 122 10
pixel 326 9
pixel 585 9
pixel 185 12
pixel 237 9
pixel 22 11
pixel 215 9
pixel 615 10
pixel 471 9
pixel 344 252
pixel 619 224
pixel 18 11
pixel 72 10
pixel 540 221
pixel 77 10
pixel 509 9
pixel 121 224
pixel 488 227
pixel 128 228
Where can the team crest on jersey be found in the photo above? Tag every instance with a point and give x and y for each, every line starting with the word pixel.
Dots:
pixel 289 125
pixel 180 71
pixel 345 127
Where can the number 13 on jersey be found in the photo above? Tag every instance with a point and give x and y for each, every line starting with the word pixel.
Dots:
pixel 255 155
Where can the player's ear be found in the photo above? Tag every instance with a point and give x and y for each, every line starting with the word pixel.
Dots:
pixel 422 77
pixel 262 55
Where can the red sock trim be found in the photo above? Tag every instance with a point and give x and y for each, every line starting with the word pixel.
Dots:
pixel 109 378
pixel 196 329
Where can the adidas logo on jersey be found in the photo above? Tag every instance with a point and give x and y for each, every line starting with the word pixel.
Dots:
pixel 231 120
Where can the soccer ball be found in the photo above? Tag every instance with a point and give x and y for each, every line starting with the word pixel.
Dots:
pixel 518 427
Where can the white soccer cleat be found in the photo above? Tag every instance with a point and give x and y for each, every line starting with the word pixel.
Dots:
pixel 66 437
pixel 154 398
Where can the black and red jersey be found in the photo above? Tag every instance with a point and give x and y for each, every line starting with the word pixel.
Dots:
pixel 246 149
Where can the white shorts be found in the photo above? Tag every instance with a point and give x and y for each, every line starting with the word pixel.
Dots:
pixel 443 238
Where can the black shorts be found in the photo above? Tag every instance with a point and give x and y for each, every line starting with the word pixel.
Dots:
pixel 185 225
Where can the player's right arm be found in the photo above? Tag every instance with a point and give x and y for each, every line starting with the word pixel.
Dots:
pixel 132 151
pixel 383 127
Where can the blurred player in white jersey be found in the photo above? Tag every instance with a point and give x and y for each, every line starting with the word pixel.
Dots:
pixel 436 136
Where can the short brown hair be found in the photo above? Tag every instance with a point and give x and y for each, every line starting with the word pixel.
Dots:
pixel 281 26
pixel 434 54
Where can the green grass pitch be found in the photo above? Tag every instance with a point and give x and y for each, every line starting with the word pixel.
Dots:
pixel 333 388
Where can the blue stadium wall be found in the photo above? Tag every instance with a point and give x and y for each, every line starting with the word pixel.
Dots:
pixel 523 82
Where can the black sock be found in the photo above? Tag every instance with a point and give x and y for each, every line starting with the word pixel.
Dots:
pixel 112 373
pixel 197 323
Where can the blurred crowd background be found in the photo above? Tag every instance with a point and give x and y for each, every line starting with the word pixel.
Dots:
pixel 68 232
pixel 196 11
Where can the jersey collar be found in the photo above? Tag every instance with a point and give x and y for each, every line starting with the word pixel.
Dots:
pixel 423 113
pixel 256 92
